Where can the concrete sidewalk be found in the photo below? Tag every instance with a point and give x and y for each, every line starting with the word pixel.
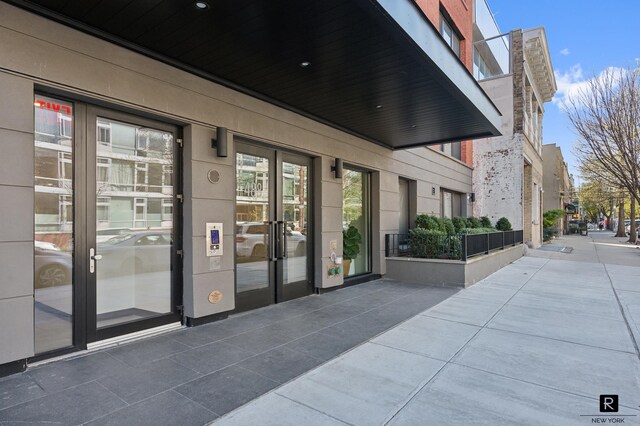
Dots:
pixel 537 342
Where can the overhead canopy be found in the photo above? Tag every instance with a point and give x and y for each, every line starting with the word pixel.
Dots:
pixel 376 69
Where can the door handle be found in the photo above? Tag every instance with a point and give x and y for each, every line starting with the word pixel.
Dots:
pixel 271 256
pixel 285 252
pixel 281 239
pixel 92 259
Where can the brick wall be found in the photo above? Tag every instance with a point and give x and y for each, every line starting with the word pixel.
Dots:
pixel 461 14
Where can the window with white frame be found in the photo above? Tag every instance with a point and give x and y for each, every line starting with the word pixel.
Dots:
pixel 450 35
pixel 140 213
pixel 103 209
pixel 66 209
pixel 142 177
pixel 103 171
pixel 65 167
pixel 104 133
pixel 65 123
pixel 167 209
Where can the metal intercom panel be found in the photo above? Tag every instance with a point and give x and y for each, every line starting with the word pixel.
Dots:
pixel 214 239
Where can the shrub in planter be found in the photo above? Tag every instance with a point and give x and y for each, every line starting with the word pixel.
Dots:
pixel 472 222
pixel 459 223
pixel 425 221
pixel 449 228
pixel 503 224
pixel 434 244
pixel 485 222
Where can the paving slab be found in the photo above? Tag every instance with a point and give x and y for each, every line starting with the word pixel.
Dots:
pixel 166 409
pixel 276 410
pixel 584 329
pixel 464 396
pixel 571 304
pixel 75 405
pixel 583 370
pixel 467 311
pixel 432 337
pixel 364 387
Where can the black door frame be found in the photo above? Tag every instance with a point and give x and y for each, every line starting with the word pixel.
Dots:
pixel 84 232
pixel 92 332
pixel 276 291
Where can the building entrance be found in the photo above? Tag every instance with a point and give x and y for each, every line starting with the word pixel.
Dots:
pixel 273 226
pixel 105 224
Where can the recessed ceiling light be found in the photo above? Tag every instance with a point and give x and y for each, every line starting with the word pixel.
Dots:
pixel 413 126
pixel 305 64
pixel 378 106
pixel 202 5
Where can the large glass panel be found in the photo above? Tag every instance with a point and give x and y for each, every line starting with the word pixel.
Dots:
pixel 53 244
pixel 133 229
pixel 295 213
pixel 356 212
pixel 252 218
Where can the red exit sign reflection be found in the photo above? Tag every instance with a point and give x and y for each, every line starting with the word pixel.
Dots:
pixel 53 106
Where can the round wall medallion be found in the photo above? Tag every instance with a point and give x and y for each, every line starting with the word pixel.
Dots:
pixel 215 296
pixel 213 176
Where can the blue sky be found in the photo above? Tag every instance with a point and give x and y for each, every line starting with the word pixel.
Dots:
pixel 584 37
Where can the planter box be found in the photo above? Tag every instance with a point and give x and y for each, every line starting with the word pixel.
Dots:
pixel 451 273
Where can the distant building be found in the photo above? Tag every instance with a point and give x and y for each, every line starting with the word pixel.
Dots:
pixel 557 183
pixel 515 71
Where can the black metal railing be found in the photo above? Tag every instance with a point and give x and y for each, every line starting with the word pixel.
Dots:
pixel 459 246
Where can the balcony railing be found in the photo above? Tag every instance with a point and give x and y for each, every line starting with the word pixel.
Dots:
pixel 491 57
pixel 454 247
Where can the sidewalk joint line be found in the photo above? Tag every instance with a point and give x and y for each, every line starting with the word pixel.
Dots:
pixel 313 409
pixel 624 316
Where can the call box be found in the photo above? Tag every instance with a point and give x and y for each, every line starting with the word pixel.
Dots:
pixel 214 239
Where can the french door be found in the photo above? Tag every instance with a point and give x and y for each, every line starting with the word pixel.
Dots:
pixel 106 224
pixel 273 243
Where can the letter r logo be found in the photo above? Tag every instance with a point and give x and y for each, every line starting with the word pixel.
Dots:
pixel 608 403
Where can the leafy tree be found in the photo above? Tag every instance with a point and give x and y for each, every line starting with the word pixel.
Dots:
pixel 606 117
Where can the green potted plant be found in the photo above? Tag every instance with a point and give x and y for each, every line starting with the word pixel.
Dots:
pixel 351 240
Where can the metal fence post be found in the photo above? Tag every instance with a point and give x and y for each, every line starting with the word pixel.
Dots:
pixel 386 245
pixel 488 244
pixel 502 248
pixel 463 243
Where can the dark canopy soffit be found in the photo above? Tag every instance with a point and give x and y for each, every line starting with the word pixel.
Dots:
pixel 366 74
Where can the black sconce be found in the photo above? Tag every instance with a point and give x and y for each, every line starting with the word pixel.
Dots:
pixel 472 197
pixel 220 142
pixel 337 168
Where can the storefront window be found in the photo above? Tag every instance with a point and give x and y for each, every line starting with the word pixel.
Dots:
pixel 53 220
pixel 356 213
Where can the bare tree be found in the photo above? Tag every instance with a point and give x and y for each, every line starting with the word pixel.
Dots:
pixel 606 117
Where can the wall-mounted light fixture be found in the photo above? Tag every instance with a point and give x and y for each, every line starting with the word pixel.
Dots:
pixel 433 190
pixel 472 197
pixel 337 168
pixel 220 142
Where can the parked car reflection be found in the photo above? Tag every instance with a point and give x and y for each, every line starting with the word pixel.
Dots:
pixel 53 267
pixel 252 242
pixel 134 253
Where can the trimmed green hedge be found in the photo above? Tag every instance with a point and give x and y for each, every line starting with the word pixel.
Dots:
pixel 470 231
pixel 434 244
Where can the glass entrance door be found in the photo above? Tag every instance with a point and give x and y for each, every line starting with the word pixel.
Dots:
pixel 131 221
pixel 104 249
pixel 272 226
